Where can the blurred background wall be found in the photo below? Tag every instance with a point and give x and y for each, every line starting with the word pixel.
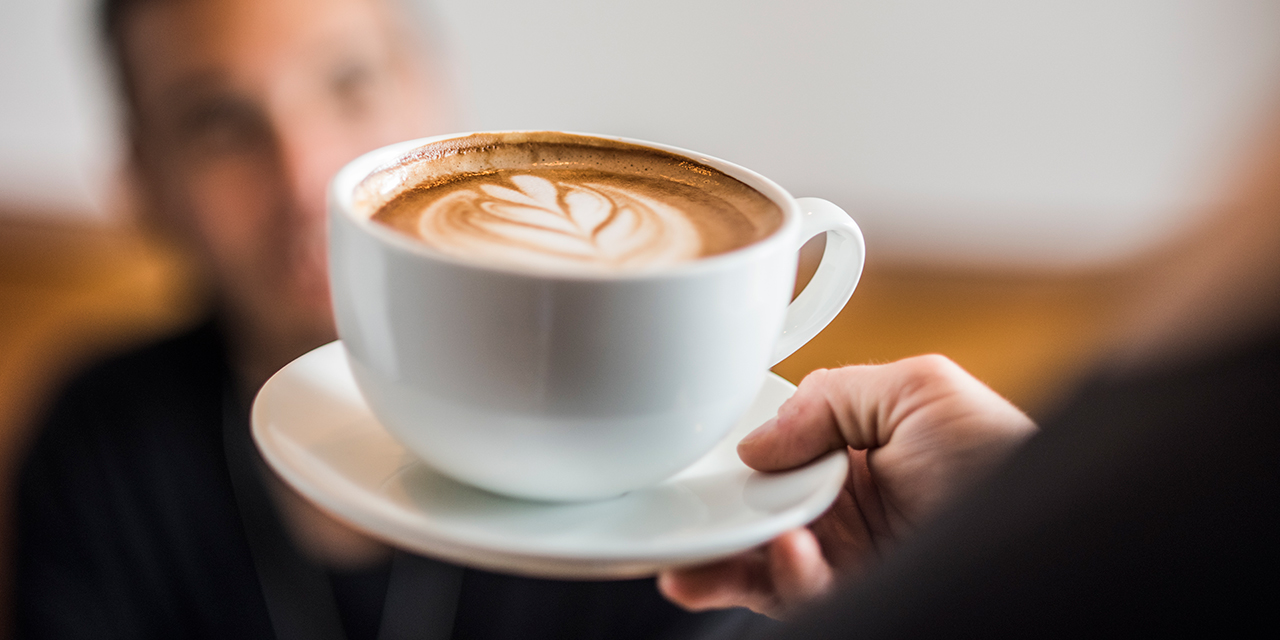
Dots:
pixel 1010 162
pixel 992 131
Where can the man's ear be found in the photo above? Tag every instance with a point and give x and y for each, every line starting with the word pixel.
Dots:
pixel 164 226
pixel 143 184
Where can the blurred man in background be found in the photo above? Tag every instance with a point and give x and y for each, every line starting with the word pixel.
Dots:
pixel 143 509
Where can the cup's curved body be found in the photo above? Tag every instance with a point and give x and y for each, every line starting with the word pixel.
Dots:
pixel 553 386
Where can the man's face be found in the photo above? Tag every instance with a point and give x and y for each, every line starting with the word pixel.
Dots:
pixel 245 109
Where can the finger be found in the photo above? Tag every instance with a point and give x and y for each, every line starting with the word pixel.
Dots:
pixel 798 570
pixel 804 429
pixel 854 528
pixel 861 406
pixel 741 581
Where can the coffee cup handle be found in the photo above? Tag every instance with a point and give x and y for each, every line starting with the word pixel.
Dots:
pixel 832 284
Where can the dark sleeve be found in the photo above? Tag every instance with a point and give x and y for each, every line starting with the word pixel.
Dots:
pixel 1151 506
pixel 74 575
pixel 125 522
pixel 496 606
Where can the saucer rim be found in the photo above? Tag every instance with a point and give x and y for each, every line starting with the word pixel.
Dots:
pixel 341 498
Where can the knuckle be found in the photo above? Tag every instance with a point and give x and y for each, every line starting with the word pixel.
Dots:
pixel 827 379
pixel 816 378
pixel 813 385
pixel 931 369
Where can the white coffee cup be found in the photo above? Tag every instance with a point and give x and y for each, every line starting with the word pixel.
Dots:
pixel 572 386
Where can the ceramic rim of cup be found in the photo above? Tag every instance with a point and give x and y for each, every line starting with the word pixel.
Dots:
pixel 342 188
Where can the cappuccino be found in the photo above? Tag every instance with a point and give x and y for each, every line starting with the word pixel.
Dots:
pixel 504 329
pixel 562 202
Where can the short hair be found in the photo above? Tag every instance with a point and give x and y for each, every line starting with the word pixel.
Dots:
pixel 111 20
pixel 113 15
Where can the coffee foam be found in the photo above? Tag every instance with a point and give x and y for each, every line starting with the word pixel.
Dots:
pixel 565 202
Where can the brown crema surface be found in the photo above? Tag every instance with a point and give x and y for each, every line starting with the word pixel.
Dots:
pixel 555 199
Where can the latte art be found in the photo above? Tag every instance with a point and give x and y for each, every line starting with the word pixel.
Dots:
pixel 536 220
pixel 564 202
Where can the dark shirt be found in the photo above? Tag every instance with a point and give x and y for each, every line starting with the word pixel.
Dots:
pixel 1151 505
pixel 127 527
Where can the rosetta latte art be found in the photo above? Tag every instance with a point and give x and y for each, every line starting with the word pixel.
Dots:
pixel 526 219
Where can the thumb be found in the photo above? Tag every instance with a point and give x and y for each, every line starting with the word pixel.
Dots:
pixel 861 407
pixel 805 429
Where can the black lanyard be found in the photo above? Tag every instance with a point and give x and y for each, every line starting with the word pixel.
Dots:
pixel 422 594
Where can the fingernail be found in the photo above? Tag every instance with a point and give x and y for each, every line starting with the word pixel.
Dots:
pixel 759 432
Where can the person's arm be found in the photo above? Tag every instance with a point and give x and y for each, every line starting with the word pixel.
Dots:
pixel 917 432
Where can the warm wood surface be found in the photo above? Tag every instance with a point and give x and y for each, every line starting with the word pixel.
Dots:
pixel 1027 335
pixel 71 292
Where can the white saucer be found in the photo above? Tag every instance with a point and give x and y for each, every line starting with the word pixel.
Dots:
pixel 316 431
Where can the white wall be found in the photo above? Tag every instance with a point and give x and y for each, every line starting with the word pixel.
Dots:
pixel 57 140
pixel 996 131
